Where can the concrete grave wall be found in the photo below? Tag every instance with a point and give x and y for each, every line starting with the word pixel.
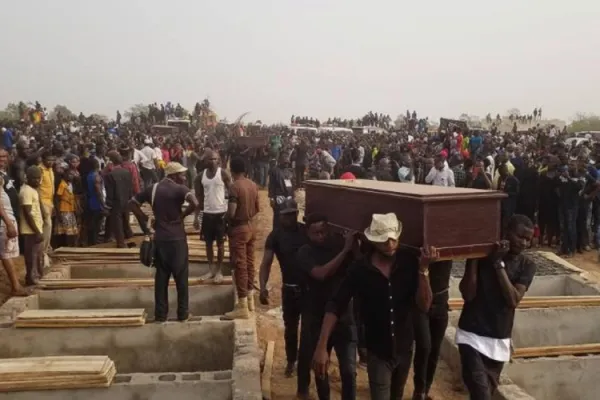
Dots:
pixel 548 285
pixel 539 327
pixel 561 378
pixel 170 347
pixel 203 300
pixel 115 271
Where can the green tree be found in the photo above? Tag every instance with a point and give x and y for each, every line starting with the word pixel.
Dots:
pixel 584 122
pixel 11 112
pixel 62 110
pixel 136 110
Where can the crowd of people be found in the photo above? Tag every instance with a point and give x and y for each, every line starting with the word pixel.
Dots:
pixel 66 183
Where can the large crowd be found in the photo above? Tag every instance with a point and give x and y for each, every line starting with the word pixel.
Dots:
pixel 75 182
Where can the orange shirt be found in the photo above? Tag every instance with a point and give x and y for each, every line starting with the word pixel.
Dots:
pixel 66 197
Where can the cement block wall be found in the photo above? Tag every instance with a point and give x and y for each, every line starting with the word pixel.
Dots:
pixel 203 300
pixel 171 347
pixel 205 386
pixel 561 378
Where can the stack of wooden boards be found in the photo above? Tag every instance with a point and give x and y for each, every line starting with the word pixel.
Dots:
pixel 80 318
pixel 55 373
pixel 544 302
pixel 102 255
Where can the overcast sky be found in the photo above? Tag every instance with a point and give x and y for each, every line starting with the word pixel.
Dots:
pixel 306 57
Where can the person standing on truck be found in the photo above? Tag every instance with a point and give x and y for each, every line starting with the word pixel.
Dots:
pixel 210 187
pixel 388 284
pixel 492 289
pixel 284 242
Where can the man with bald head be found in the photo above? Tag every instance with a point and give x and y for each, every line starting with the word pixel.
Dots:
pixel 211 186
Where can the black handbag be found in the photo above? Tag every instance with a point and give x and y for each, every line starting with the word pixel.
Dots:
pixel 147 249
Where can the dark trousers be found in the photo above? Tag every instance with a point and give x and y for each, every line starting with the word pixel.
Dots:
pixel 480 373
pixel 34 266
pixel 291 302
pixel 118 226
pixel 94 225
pixel 262 169
pixel 300 175
pixel 171 258
pixel 581 224
pixel 149 176
pixel 388 377
pixel 343 341
pixel 429 332
pixel 568 228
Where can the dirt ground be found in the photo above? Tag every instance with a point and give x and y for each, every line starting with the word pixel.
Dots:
pixel 270 327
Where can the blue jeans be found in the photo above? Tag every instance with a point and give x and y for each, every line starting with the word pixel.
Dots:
pixel 343 341
pixel 568 228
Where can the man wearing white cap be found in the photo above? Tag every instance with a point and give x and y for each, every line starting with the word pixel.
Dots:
pixel 387 284
pixel 171 249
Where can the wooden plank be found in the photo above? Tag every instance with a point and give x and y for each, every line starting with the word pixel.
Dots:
pixel 84 313
pixel 55 284
pixel 268 371
pixel 81 323
pixel 46 373
pixel 554 351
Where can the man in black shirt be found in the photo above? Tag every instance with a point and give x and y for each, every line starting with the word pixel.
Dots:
pixel 388 285
pixel 324 260
pixel 280 188
pixel 284 243
pixel 492 289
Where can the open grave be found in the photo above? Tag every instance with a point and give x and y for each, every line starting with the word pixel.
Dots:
pixel 205 357
pixel 556 341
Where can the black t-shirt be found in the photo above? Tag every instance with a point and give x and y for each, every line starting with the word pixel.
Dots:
pixel 319 292
pixel 386 304
pixel 285 244
pixel 439 280
pixel 488 314
pixel 168 200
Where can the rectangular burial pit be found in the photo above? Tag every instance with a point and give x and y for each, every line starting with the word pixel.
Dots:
pixel 175 347
pixel 112 270
pixel 549 378
pixel 203 299
pixel 547 285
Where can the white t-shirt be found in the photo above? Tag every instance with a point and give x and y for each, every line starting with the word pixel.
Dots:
pixel 150 155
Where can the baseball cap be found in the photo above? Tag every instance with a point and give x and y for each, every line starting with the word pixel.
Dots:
pixel 288 206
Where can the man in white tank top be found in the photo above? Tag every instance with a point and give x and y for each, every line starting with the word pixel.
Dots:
pixel 211 186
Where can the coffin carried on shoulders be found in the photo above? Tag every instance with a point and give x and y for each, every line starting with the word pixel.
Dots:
pixel 461 223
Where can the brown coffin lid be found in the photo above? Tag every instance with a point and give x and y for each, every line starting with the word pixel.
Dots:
pixel 423 193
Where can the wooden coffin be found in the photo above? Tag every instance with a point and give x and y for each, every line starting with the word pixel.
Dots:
pixel 459 222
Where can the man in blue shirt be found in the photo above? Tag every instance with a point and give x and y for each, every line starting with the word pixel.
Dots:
pixel 7 139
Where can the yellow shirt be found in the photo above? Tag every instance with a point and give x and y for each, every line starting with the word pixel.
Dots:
pixel 28 196
pixel 66 197
pixel 46 188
